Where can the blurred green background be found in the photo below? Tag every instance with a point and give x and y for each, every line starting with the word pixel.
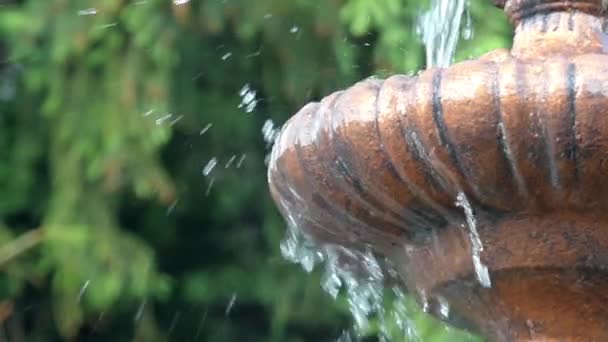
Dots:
pixel 133 203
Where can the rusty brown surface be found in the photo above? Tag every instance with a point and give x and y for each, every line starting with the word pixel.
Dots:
pixel 522 133
pixel 518 10
pixel 536 305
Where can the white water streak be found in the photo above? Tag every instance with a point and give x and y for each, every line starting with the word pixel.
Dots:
pixel 440 30
pixel 481 270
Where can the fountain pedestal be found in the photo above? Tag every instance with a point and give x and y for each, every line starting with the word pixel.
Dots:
pixel 549 277
pixel 485 182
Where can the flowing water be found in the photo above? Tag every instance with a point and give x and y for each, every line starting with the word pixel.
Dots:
pixel 441 26
pixel 481 270
pixel 360 276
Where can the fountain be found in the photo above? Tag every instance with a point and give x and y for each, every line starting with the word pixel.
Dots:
pixel 483 183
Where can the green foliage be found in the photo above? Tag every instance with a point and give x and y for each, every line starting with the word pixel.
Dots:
pixel 104 213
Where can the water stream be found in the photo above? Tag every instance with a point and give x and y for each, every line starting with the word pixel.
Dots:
pixel 440 28
pixel 481 270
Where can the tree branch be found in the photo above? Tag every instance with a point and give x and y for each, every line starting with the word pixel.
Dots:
pixel 20 245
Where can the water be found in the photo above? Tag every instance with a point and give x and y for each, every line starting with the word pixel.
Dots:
pixel 87 11
pixel 209 166
pixel 84 288
pixel 230 305
pixel 206 129
pixel 440 27
pixel 481 270
pixel 356 275
pixel 248 98
pixel 140 311
pixel 270 132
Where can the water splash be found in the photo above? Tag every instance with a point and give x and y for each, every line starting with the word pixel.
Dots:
pixel 440 28
pixel 359 276
pixel 444 307
pixel 402 314
pixel 299 250
pixel 270 132
pixel 345 337
pixel 248 98
pixel 481 270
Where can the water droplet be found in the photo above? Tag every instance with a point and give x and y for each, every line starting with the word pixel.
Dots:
pixel 209 166
pixel 226 56
pixel 201 324
pixel 82 291
pixel 87 11
pixel 172 207
pixel 248 100
pixel 270 132
pixel 206 128
pixel 230 161
pixel 140 311
pixel 174 322
pixel 230 304
pixel 148 112
pixel 294 29
pixel 209 186
pixel 180 2
pixel 108 25
pixel 241 160
pixel 172 123
pixel 162 119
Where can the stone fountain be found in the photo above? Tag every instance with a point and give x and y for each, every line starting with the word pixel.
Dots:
pixel 485 183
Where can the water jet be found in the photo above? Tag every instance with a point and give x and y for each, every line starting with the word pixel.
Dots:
pixel 483 182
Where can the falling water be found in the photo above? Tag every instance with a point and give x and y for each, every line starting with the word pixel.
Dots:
pixel 440 28
pixel 481 270
pixel 358 276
